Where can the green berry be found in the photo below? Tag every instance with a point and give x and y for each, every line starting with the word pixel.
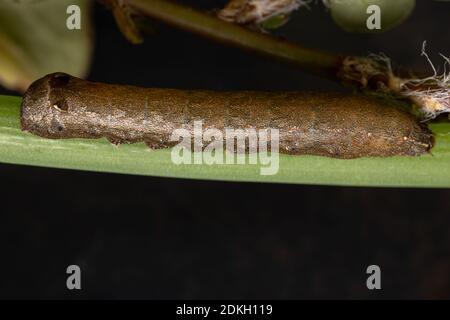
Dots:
pixel 352 16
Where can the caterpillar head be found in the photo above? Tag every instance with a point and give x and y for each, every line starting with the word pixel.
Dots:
pixel 47 108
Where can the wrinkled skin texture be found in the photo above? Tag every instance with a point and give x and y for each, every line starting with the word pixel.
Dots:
pixel 333 125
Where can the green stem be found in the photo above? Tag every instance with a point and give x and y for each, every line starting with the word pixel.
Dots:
pixel 311 60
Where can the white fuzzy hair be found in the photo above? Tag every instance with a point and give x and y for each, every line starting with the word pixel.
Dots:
pixel 258 11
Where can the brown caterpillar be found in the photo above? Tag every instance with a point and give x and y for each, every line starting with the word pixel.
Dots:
pixel 334 125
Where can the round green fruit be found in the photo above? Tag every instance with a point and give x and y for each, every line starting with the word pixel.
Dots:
pixel 352 15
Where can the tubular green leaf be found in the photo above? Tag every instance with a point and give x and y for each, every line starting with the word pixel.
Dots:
pixel 18 147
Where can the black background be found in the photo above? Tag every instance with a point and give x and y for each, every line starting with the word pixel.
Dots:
pixel 145 237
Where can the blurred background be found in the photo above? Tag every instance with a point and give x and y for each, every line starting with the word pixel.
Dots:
pixel 158 238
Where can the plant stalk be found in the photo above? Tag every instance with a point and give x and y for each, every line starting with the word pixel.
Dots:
pixel 310 60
